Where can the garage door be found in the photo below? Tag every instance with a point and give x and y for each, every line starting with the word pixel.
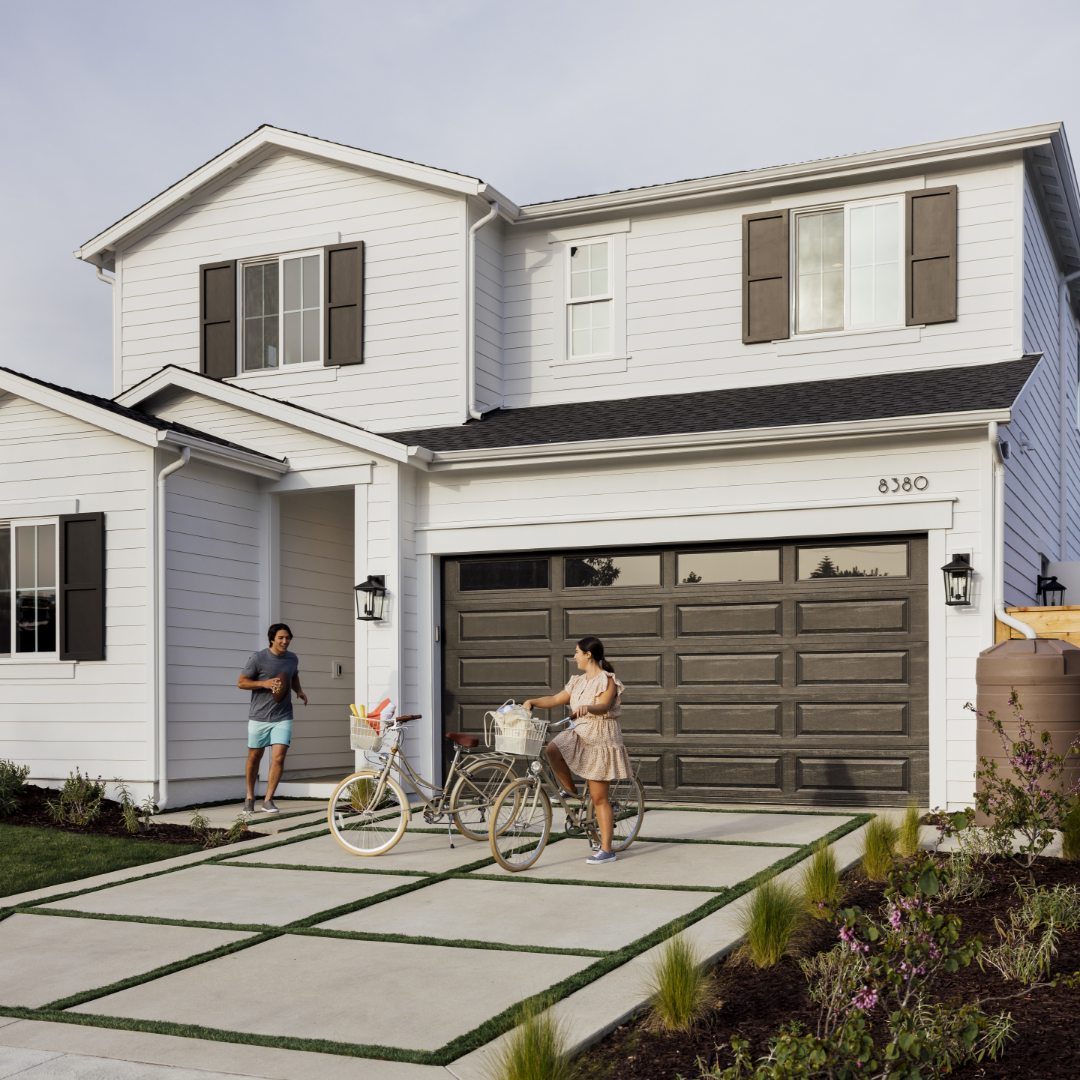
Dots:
pixel 787 672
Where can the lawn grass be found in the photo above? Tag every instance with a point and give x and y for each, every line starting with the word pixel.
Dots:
pixel 32 858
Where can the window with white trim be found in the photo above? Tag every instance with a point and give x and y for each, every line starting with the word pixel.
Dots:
pixel 589 314
pixel 281 317
pixel 28 587
pixel 847 267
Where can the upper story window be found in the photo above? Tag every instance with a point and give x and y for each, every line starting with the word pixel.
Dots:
pixel 590 301
pixel 28 561
pixel 282 312
pixel 847 268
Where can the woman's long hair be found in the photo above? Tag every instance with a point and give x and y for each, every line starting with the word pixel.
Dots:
pixel 595 646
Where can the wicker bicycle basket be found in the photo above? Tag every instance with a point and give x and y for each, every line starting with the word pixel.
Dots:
pixel 514 731
pixel 365 734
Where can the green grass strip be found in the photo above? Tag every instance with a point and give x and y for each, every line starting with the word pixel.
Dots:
pixel 156 920
pixel 724 810
pixel 722 843
pixel 598 883
pixel 446 943
pixel 329 869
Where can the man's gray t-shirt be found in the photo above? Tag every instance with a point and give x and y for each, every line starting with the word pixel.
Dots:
pixel 265 665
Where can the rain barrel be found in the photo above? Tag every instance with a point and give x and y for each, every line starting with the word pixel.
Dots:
pixel 1045 672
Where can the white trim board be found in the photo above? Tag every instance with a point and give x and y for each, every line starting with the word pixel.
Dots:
pixel 44 508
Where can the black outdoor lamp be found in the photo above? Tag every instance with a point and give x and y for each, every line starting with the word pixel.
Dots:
pixel 371 598
pixel 958 574
pixel 1051 590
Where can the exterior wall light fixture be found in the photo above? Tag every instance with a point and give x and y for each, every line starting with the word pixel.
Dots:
pixel 371 598
pixel 1051 590
pixel 958 574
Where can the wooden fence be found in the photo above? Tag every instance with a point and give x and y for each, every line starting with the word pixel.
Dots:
pixel 1047 622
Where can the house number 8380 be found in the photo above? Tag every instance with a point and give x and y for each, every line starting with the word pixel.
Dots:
pixel 920 483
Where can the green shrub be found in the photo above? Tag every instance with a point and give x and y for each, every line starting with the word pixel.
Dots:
pixel 879 847
pixel 136 815
pixel 12 781
pixel 1070 832
pixel 81 800
pixel 909 832
pixel 678 984
pixel 238 828
pixel 1059 906
pixel 535 1050
pixel 820 883
pixel 207 836
pixel 770 920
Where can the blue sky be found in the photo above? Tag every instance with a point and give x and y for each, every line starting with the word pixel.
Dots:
pixel 107 104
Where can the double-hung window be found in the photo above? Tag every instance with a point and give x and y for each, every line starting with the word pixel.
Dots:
pixel 847 268
pixel 28 587
pixel 591 300
pixel 281 318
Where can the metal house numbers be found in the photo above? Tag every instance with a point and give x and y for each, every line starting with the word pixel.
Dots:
pixel 895 484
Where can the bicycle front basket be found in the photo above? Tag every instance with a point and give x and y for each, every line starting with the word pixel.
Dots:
pixel 515 732
pixel 365 734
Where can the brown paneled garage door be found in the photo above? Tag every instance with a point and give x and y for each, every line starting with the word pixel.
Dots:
pixel 787 672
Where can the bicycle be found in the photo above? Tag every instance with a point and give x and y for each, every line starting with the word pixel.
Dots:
pixel 520 821
pixel 369 810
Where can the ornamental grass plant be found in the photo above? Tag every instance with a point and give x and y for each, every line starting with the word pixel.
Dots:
pixel 909 831
pixel 678 984
pixel 820 882
pixel 771 921
pixel 879 847
pixel 536 1049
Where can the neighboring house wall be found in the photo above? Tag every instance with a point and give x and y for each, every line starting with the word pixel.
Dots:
pixel 684 302
pixel 489 316
pixel 316 584
pixel 90 715
pixel 414 318
pixel 1033 495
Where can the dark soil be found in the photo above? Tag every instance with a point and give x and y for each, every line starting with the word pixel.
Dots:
pixel 110 822
pixel 754 1004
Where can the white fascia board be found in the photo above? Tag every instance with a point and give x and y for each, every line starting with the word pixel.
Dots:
pixel 731 184
pixel 263 140
pixel 228 456
pixel 599 449
pixel 80 410
pixel 252 401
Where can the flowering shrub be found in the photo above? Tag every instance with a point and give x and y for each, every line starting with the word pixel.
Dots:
pixel 80 802
pixel 1033 801
pixel 12 781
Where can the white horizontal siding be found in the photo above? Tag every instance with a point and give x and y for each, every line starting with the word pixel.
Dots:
pixel 97 721
pixel 413 251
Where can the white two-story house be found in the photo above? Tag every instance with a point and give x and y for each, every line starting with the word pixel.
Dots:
pixel 734 426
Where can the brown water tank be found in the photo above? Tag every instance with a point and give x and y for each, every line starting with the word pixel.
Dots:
pixel 1045 672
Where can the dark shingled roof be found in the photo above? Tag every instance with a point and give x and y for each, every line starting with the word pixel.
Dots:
pixel 139 417
pixel 827 401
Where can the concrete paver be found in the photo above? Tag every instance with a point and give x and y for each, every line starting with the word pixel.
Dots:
pixel 14 1060
pixel 558 916
pixel 647 863
pixel 767 828
pixel 411 996
pixel 429 852
pixel 232 894
pixel 47 957
pixel 225 815
pixel 81 1045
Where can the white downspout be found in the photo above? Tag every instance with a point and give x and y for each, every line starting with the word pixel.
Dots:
pixel 999 538
pixel 160 658
pixel 1063 502
pixel 470 344
pixel 104 277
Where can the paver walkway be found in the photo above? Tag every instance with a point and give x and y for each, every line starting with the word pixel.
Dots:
pixel 276 954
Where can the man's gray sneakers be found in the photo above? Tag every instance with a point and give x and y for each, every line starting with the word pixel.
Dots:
pixel 268 807
pixel 601 857
pixel 249 806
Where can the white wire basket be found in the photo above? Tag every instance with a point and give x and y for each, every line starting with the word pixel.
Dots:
pixel 365 734
pixel 514 731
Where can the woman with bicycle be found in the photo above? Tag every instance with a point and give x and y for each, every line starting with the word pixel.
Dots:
pixel 593 748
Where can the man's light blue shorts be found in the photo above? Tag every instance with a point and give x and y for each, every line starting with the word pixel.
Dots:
pixel 267 733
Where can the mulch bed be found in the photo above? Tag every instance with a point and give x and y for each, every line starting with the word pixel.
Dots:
pixel 754 1004
pixel 110 822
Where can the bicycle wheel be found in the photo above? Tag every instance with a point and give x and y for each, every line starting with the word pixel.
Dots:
pixel 627 798
pixel 365 820
pixel 474 795
pixel 520 825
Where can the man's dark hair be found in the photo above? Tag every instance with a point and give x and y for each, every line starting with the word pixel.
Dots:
pixel 272 632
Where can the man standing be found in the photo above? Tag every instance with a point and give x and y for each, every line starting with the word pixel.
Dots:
pixel 270 674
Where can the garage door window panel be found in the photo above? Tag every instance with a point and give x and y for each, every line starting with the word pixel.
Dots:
pixel 604 571
pixel 504 574
pixel 852 561
pixel 728 567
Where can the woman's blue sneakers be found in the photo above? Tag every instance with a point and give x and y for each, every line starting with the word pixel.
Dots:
pixel 601 857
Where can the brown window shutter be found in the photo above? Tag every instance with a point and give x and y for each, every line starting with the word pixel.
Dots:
pixel 344 290
pixel 930 274
pixel 82 587
pixel 765 259
pixel 217 319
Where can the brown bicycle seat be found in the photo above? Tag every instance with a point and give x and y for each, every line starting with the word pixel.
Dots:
pixel 462 739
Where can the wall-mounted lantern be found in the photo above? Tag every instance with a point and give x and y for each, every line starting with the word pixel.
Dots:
pixel 1051 590
pixel 958 574
pixel 371 598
